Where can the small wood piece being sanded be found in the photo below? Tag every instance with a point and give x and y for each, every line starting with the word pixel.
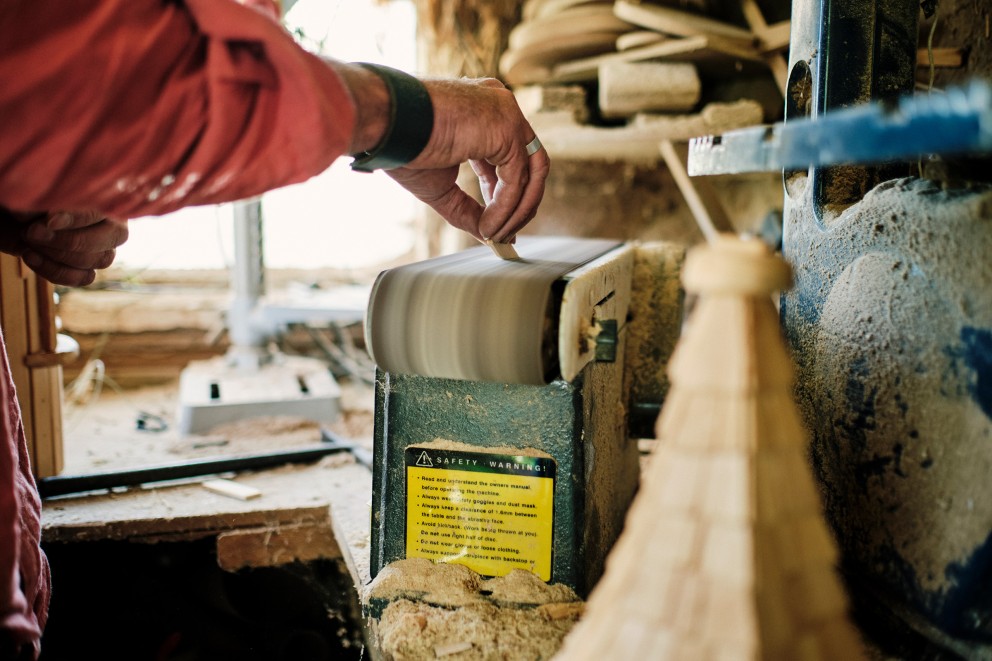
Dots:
pixel 474 316
pixel 502 250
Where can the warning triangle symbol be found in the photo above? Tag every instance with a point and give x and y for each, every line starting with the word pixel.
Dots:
pixel 424 461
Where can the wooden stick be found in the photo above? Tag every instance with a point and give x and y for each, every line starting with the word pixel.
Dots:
pixel 232 489
pixel 711 219
pixel 770 39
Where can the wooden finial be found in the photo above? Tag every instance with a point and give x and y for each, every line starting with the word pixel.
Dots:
pixel 725 553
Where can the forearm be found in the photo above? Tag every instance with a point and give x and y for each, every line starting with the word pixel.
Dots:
pixel 138 107
pixel 371 100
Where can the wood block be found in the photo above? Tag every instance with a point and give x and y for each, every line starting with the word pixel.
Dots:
pixel 270 547
pixel 502 250
pixel 628 88
pixel 569 99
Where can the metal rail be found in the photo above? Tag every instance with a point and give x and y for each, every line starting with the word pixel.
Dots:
pixel 955 122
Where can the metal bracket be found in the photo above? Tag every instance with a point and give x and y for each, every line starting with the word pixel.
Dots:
pixel 955 122
pixel 606 340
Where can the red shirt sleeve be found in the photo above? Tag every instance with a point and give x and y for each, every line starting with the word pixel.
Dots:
pixel 140 107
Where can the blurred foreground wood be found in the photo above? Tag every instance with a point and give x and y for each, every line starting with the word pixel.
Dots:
pixel 725 553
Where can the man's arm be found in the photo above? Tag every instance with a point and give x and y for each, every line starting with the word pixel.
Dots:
pixel 140 107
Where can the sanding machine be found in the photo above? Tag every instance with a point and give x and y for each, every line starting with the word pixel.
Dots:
pixel 501 413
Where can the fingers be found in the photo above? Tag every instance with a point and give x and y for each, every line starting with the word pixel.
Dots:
pixel 488 178
pixel 517 194
pixel 82 234
pixel 68 248
pixel 479 121
pixel 60 273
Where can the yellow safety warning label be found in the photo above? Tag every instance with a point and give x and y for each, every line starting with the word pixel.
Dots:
pixel 489 512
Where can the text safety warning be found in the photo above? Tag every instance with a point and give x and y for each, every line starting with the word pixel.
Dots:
pixel 490 512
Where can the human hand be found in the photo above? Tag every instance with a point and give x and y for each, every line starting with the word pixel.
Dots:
pixel 65 248
pixel 478 121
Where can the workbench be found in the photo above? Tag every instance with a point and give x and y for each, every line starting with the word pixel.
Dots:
pixel 304 513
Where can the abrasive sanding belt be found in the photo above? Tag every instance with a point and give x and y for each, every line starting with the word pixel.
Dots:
pixel 473 316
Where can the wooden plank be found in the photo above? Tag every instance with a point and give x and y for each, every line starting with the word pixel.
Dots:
pixel 45 413
pixel 637 142
pixel 679 23
pixel 709 54
pixel 711 217
pixel 639 38
pixel 43 403
pixel 573 22
pixel 14 296
pixel 535 63
pixel 271 547
pixel 56 393
pixel 177 513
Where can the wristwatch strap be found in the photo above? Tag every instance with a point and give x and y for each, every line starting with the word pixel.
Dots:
pixel 411 120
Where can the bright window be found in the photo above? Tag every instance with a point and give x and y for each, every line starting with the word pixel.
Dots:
pixel 337 219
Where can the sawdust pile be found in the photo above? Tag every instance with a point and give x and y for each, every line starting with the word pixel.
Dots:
pixel 428 610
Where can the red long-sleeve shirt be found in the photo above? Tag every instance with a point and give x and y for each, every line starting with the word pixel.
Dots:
pixel 133 108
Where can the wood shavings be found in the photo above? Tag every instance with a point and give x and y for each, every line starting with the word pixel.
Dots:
pixel 451 648
pixel 428 610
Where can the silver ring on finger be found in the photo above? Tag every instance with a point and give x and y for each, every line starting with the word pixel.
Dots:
pixel 534 146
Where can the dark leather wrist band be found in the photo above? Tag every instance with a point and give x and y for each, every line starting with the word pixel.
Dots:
pixel 411 120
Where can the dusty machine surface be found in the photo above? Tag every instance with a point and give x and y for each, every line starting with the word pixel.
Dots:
pixel 890 318
pixel 891 324
pixel 501 417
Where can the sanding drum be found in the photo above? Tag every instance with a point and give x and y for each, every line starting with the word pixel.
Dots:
pixel 476 317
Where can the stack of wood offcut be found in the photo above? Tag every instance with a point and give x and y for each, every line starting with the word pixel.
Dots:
pixel 649 61
pixel 725 553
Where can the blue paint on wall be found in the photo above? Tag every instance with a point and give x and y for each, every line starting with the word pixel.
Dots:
pixel 977 355
pixel 968 608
